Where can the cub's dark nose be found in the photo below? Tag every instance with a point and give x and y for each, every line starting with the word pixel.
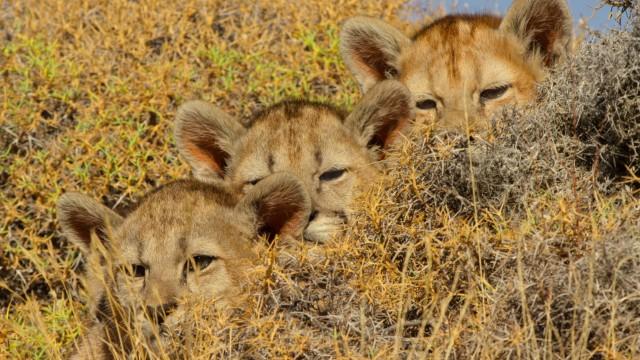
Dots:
pixel 313 215
pixel 159 313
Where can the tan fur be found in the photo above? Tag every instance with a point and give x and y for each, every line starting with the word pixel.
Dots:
pixel 333 155
pixel 171 229
pixel 453 63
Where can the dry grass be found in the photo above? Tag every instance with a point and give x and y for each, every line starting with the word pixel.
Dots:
pixel 524 245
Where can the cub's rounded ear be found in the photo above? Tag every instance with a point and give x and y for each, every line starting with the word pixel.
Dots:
pixel 544 26
pixel 81 216
pixel 381 115
pixel 370 49
pixel 205 136
pixel 279 205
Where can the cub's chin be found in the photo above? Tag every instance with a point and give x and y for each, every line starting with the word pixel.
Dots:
pixel 164 340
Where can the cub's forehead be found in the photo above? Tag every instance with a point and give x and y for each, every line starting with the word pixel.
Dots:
pixel 451 39
pixel 291 132
pixel 297 114
pixel 458 52
pixel 184 195
pixel 457 27
pixel 178 210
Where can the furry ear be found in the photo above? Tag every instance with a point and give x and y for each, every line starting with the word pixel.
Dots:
pixel 545 27
pixel 81 217
pixel 383 113
pixel 370 48
pixel 205 137
pixel 279 204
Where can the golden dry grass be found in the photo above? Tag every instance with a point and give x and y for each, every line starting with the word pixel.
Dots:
pixel 89 91
pixel 88 97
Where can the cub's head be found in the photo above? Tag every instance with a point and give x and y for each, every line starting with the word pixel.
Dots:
pixel 460 69
pixel 184 241
pixel 333 155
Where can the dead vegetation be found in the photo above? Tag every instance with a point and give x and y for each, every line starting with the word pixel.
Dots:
pixel 523 244
pixel 619 8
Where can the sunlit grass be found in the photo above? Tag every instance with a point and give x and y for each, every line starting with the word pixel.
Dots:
pixel 88 95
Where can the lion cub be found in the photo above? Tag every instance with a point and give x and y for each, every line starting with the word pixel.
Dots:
pixel 186 240
pixel 461 69
pixel 333 154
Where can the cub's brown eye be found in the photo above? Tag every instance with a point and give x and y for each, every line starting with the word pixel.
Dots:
pixel 426 104
pixel 332 174
pixel 199 262
pixel 135 270
pixel 493 93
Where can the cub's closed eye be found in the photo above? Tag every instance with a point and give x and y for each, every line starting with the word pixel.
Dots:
pixel 135 270
pixel 199 262
pixel 332 174
pixel 254 181
pixel 426 104
pixel 493 93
